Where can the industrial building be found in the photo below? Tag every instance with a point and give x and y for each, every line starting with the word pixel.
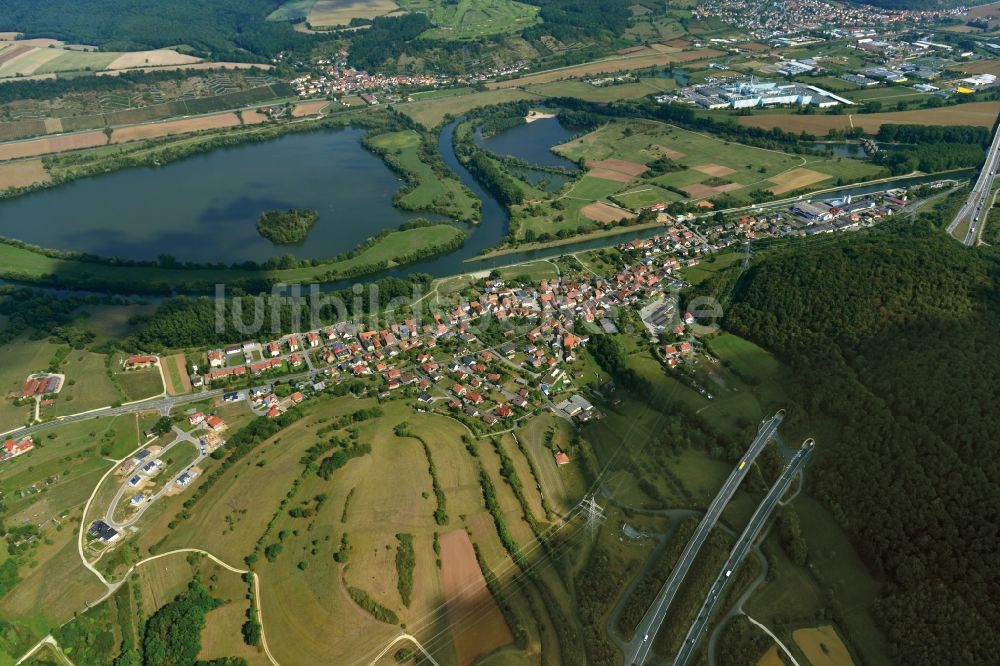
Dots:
pixel 750 94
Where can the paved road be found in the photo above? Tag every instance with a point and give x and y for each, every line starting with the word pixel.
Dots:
pixel 162 405
pixel 739 552
pixel 638 649
pixel 978 204
pixel 182 438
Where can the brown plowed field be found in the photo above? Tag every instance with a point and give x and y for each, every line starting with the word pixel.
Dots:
pixel 153 130
pixel 54 144
pixel 22 174
pixel 604 213
pixel 466 596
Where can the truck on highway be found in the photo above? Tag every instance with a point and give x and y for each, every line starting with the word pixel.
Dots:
pixel 743 463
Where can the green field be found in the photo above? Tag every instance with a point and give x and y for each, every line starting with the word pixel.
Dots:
pixel 710 162
pixel 87 385
pixel 141 384
pixel 429 190
pixel 431 112
pixel 471 19
pixel 611 93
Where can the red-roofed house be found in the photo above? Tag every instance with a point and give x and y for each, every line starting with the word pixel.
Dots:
pixel 135 362
pixel 215 423
pixel 561 458
pixel 13 448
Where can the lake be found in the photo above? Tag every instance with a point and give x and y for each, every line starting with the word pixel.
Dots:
pixel 205 208
pixel 531 142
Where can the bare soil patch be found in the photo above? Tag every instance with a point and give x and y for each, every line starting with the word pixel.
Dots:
pixel 982 67
pixel 156 58
pixel 340 12
pixel 823 646
pixel 309 108
pixel 22 174
pixel 468 601
pixel 604 213
pixel 152 130
pixel 771 658
pixel 795 179
pixel 55 144
pixel 630 168
pixel 714 169
pixel 8 36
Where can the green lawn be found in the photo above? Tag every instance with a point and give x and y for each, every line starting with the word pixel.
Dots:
pixel 471 19
pixel 87 385
pixel 429 190
pixel 141 384
pixel 711 267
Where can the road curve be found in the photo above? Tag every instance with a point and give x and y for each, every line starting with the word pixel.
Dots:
pixel 642 643
pixel 739 552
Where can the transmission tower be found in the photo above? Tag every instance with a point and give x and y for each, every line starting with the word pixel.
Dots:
pixel 594 513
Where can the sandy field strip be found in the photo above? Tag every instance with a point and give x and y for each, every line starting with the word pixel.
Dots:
pixel 41 42
pixel 981 114
pixel 604 213
pixel 822 646
pixel 153 130
pixel 253 118
pixel 608 65
pixel 340 12
pixel 795 179
pixel 11 52
pixel 466 596
pixel 22 173
pixel 53 144
pixel 8 36
pixel 770 658
pixel 632 169
pixel 309 108
pixel 156 58
pixel 716 170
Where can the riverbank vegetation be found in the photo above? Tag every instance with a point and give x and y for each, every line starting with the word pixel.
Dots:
pixel 287 227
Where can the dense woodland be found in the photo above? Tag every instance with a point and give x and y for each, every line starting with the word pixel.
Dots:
pixel 223 29
pixel 931 148
pixel 892 337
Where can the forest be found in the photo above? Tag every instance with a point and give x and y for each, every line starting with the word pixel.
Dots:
pixel 892 339
pixel 931 148
pixel 223 29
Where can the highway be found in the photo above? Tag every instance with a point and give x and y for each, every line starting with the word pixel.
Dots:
pixel 739 552
pixel 978 204
pixel 638 650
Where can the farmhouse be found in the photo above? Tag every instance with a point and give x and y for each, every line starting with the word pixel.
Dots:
pixel 15 447
pixel 136 362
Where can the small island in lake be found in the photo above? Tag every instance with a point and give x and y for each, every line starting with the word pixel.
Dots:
pixel 287 227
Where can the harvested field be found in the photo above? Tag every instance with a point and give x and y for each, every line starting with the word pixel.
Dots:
pixel 716 170
pixel 604 213
pixel 795 179
pixel 340 12
pixel 608 174
pixel 822 646
pixel 55 144
pixel 982 67
pixel 157 58
pixel 195 65
pixel 153 130
pixel 28 62
pixel 609 65
pixel 465 595
pixel 700 191
pixel 309 108
pixel 22 174
pixel 632 169
pixel 981 114
pixel 8 36
pixel 53 126
pixel 252 117
pixel 21 129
